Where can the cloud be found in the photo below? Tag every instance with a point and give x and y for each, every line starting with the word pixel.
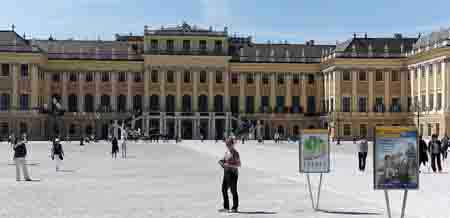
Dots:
pixel 216 12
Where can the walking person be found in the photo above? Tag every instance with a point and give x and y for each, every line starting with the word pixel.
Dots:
pixel 124 148
pixel 81 144
pixel 115 148
pixel 20 153
pixel 362 153
pixel 444 149
pixel 57 153
pixel 230 163
pixel 423 152
pixel 434 147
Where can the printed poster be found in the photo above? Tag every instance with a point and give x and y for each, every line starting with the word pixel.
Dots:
pixel 314 151
pixel 396 158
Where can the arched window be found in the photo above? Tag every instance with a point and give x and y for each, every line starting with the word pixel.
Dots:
pixel 186 103
pixel 4 102
pixel 203 103
pixel 218 103
pixel 154 103
pixel 88 103
pixel 170 103
pixel 137 103
pixel 121 103
pixel 73 103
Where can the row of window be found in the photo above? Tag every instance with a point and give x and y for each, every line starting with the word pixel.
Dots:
pixel 362 76
pixel 154 45
pixel 5 70
pixel 431 68
pixel 421 104
pixel 187 75
pixel 363 130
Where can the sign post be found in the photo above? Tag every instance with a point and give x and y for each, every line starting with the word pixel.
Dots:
pixel 396 162
pixel 314 158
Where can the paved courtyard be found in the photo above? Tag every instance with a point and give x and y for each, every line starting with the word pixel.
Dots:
pixel 183 180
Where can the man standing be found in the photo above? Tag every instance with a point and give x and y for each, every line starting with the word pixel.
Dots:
pixel 435 149
pixel 362 154
pixel 57 153
pixel 423 152
pixel 444 146
pixel 230 163
pixel 20 152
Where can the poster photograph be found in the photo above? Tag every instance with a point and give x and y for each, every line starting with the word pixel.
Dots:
pixel 396 158
pixel 314 151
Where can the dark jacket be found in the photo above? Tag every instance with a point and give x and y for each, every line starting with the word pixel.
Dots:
pixel 423 156
pixel 435 147
pixel 115 145
pixel 20 150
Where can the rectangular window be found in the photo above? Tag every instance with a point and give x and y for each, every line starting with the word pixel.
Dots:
pixel 154 76
pixel 362 104
pixel 363 130
pixel 41 75
pixel 430 102
pixel 379 104
pixel 430 128
pixel 438 68
pixel 218 46
pixel 187 76
pixel 186 45
pixel 296 79
pixel 437 129
pixel 5 70
pixel 219 77
pixel 249 104
pixel 24 102
pixel 56 77
pixel 89 77
pixel 396 105
pixel 395 76
pixel 347 130
pixel 170 76
pixel 296 104
pixel 4 129
pixel 73 77
pixel 202 76
pixel 169 45
pixel 105 76
pixel 280 79
pixel 422 69
pixel 409 104
pixel 415 74
pixel 423 103
pixel 346 104
pixel 24 70
pixel 379 76
pixel 265 78
pixel 122 77
pixel 234 78
pixel 137 77
pixel 362 76
pixel 430 70
pixel 154 44
pixel 310 79
pixel 421 129
pixel 265 103
pixel 249 78
pixel 346 76
pixel 202 45
pixel 408 75
pixel 439 101
pixel 311 104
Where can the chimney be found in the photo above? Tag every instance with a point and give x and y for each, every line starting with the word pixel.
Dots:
pixel 365 35
pixel 354 35
pixel 145 29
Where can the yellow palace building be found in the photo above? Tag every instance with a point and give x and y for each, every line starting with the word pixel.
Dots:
pixel 192 81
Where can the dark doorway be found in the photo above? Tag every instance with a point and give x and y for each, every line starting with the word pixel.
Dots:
pixel 220 129
pixel 186 129
pixel 105 131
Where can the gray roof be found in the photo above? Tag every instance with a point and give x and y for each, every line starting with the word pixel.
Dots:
pixel 10 41
pixel 396 46
pixel 433 38
pixel 66 49
pixel 284 52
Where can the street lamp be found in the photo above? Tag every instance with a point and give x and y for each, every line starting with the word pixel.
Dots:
pixel 419 107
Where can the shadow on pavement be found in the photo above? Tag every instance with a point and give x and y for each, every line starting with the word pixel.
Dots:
pixel 348 212
pixel 256 212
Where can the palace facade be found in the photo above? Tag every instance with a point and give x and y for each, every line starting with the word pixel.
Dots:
pixel 190 81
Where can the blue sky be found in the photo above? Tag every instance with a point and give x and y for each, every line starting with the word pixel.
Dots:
pixel 293 20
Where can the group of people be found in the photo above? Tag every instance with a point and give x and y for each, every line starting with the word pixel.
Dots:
pixel 115 147
pixel 436 149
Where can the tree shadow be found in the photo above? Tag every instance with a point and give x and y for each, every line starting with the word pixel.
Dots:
pixel 356 213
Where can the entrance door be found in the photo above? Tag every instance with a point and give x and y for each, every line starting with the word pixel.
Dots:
pixel 186 129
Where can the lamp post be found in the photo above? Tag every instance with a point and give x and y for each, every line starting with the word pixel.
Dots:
pixel 419 108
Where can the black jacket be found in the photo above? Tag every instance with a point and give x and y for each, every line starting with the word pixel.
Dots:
pixel 20 150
